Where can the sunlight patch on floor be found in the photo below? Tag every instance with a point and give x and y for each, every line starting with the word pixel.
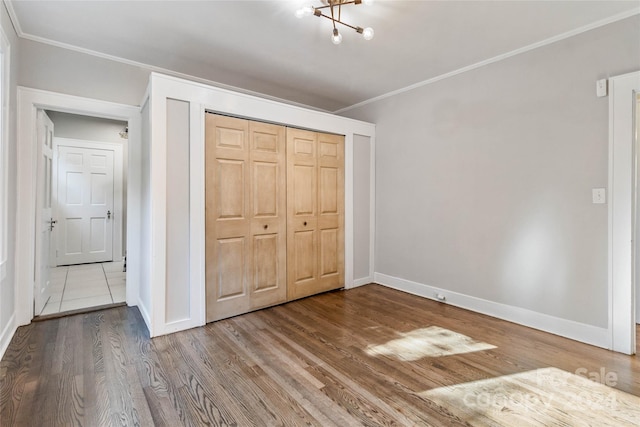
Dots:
pixel 427 342
pixel 547 396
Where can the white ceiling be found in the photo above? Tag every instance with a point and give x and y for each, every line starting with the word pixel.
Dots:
pixel 261 46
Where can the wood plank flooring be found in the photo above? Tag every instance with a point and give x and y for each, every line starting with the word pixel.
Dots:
pixel 368 356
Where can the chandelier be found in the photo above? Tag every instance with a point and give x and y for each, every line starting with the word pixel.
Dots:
pixel 335 9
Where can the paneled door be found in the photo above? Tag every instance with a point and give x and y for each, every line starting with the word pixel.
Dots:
pixel 46 221
pixel 245 194
pixel 315 224
pixel 84 205
pixel 330 211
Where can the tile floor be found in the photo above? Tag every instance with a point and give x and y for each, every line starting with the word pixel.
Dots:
pixel 86 285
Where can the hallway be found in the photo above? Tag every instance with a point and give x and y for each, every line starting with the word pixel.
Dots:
pixel 85 285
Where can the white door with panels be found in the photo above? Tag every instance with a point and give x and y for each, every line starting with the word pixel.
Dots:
pixel 44 135
pixel 85 205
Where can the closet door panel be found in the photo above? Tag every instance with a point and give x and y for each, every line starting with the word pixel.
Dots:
pixel 265 190
pixel 304 256
pixel 315 182
pixel 265 265
pixel 269 210
pixel 329 190
pixel 304 190
pixel 227 217
pixel 230 189
pixel 331 211
pixel 329 253
pixel 231 290
pixel 302 223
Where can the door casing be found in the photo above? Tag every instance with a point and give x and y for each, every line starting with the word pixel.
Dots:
pixel 29 100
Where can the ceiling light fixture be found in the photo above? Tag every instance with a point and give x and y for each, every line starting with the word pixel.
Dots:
pixel 335 9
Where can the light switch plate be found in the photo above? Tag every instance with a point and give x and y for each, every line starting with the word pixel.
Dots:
pixel 599 195
pixel 601 89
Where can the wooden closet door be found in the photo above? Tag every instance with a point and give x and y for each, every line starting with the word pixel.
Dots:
pixel 227 228
pixel 330 211
pixel 268 176
pixel 245 191
pixel 315 205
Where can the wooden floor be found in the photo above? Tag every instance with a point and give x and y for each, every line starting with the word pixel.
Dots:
pixel 368 356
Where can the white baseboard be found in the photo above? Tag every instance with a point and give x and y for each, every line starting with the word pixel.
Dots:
pixel 361 282
pixel 7 334
pixel 177 326
pixel 145 316
pixel 600 337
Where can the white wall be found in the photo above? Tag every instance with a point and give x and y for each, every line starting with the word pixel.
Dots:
pixel 484 180
pixel 8 285
pixel 87 128
pixel 65 71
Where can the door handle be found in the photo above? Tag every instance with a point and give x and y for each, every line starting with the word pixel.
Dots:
pixel 108 214
pixel 52 222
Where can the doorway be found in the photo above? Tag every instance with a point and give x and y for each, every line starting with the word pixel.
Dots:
pixel 28 206
pixel 86 228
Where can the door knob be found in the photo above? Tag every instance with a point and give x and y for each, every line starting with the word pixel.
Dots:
pixel 108 214
pixel 305 223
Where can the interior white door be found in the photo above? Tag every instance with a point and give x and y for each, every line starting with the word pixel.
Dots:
pixel 46 222
pixel 85 205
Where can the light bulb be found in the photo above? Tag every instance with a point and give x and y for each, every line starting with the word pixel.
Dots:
pixel 336 37
pixel 307 10
pixel 367 2
pixel 299 13
pixel 367 33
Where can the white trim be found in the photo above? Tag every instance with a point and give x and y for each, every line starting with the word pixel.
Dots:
pixel 5 73
pixel 207 98
pixel 29 100
pixel 144 312
pixel 118 184
pixel 197 220
pixel 14 17
pixel 362 281
pixel 7 334
pixel 158 209
pixel 566 328
pixel 524 49
pixel 621 194
pixel 348 211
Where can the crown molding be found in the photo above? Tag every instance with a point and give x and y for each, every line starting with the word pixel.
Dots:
pixel 550 40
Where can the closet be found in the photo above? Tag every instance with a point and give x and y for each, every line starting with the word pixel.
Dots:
pixel 274 213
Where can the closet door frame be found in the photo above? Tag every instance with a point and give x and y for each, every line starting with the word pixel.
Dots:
pixel 205 98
